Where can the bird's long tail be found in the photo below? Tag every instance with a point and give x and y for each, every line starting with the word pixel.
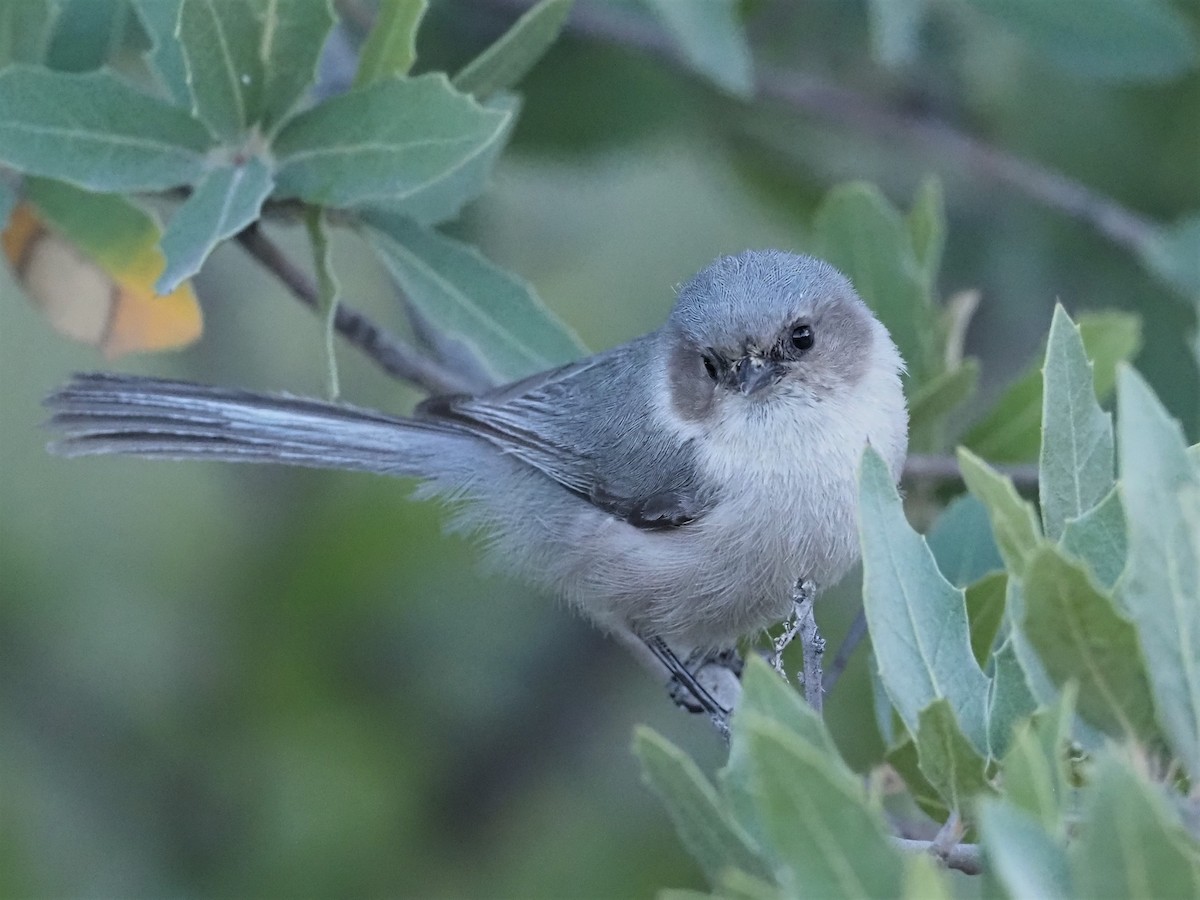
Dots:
pixel 154 418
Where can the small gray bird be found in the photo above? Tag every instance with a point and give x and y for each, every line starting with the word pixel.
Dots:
pixel 676 487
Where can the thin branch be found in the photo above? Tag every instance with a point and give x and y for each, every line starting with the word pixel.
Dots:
pixel 860 112
pixel 390 353
pixel 966 858
pixel 841 659
pixel 945 468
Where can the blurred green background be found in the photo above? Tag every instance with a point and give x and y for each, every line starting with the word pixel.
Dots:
pixel 224 680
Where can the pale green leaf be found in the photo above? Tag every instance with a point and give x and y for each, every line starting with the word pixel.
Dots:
pixel 458 291
pixel 328 291
pixel 387 141
pixel 220 43
pixel 1076 462
pixel 1039 684
pixel 962 543
pixel 956 770
pixel 1110 40
pixel 927 218
pixel 96 131
pixel 934 400
pixel 826 840
pixel 704 827
pixel 391 46
pixel 985 612
pixel 1011 431
pixel 223 203
pixel 1014 522
pixel 1022 854
pixel 1010 700
pixel 918 620
pixel 25 30
pixel 159 18
pixel 443 198
pixel 863 235
pixel 1160 492
pixel 1081 636
pixel 1034 770
pixel 507 61
pixel 1098 539
pixel 1173 254
pixel 1130 842
pixel 924 879
pixel 738 885
pixel 903 759
pixel 291 37
pixel 712 39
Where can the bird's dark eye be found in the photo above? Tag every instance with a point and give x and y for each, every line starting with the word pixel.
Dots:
pixel 710 367
pixel 802 337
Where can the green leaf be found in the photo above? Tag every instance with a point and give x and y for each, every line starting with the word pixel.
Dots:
pixel 1014 522
pixel 391 47
pixel 225 202
pixel 1161 588
pixel 1022 854
pixel 863 235
pixel 1173 254
pixel 96 131
pixel 1010 700
pixel 764 693
pixel 1039 684
pixel 290 41
pixel 918 620
pixel 387 141
pixel 86 35
pixel 507 61
pixel 444 197
pixel 328 290
pixel 1034 767
pixel 903 759
pixel 457 290
pixel 1097 538
pixel 1011 431
pixel 738 885
pixel 1080 636
pixel 1076 463
pixel 962 543
pixel 224 73
pixel 1131 843
pixel 25 30
pixel 109 228
pixel 927 218
pixel 1108 40
pixel 159 18
pixel 704 827
pixel 713 42
pixel 957 771
pixel 826 840
pixel 8 202
pixel 934 400
pixel 985 612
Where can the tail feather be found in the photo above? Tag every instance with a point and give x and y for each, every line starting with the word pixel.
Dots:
pixel 155 418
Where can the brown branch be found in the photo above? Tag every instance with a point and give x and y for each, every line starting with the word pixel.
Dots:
pixel 855 110
pixel 945 468
pixel 390 353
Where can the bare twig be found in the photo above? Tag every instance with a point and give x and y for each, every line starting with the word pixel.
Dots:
pixel 945 468
pixel 852 109
pixel 390 353
pixel 966 858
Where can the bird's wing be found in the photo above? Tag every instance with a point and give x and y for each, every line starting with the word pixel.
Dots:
pixel 589 427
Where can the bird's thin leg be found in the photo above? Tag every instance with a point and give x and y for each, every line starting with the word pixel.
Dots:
pixel 683 676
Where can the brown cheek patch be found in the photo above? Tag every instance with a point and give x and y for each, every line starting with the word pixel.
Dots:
pixel 846 356
pixel 691 389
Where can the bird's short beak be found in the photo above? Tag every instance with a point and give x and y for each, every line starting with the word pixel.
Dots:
pixel 752 374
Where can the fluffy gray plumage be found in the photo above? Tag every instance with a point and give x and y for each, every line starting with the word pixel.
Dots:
pixel 675 486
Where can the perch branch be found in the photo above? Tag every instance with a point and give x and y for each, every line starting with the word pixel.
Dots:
pixel 945 468
pixel 966 858
pixel 390 353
